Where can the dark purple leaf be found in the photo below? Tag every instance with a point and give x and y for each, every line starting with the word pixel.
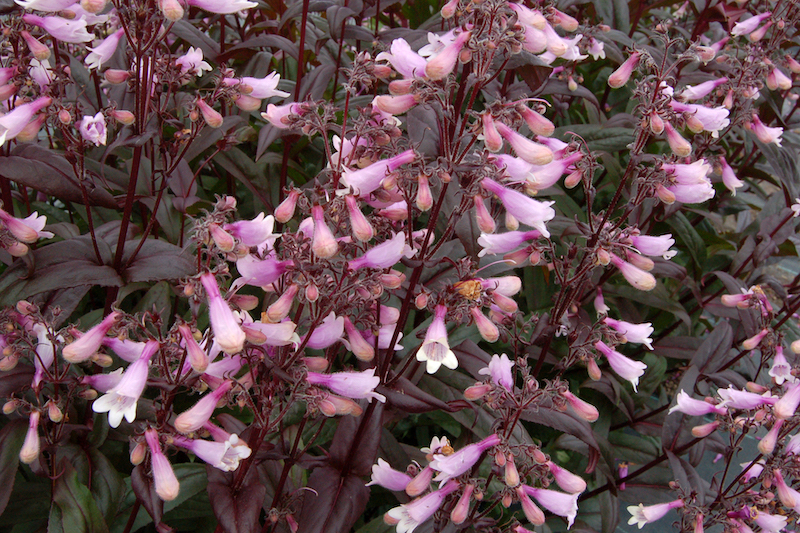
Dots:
pixel 15 380
pixel 316 82
pixel 688 477
pixel 336 502
pixel 564 422
pixel 355 443
pixel 142 485
pixel 157 260
pixel 11 438
pixel 422 129
pixel 408 398
pixel 237 511
pixel 263 41
pixel 714 351
pixel 192 35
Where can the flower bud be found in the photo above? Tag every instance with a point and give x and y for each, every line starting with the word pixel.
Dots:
pixel 39 50
pixel 362 229
pixel 93 6
pixel 316 364
pixel 656 123
pixel 705 430
pixel 621 76
pixel 511 472
pixel 491 138
pixel 212 117
pixel 476 392
pixel 448 10
pixel 171 9
pixel 9 362
pixel 138 453
pixel 10 406
pixel 285 211
pixel 358 344
pixel 222 239
pixel 281 307
pixel 311 292
pixel 424 198
pixel 31 447
pixel 115 76
pixel 486 327
pixel 573 179
pixel 323 243
pixel 679 146
pixel 125 118
pixel 400 87
pixel 594 371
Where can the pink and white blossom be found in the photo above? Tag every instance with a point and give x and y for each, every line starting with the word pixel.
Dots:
pixel 636 333
pixel 227 331
pixel 355 385
pixel 404 60
pixel 193 418
pixel 223 455
pixel 259 88
pixel 435 349
pixel 93 129
pixel 222 7
pixel 500 370
pixel 624 367
pixel 558 503
pixel 387 477
pixel 455 464
pixel 164 479
pixel 410 515
pixel 191 63
pixel 104 51
pixel 91 341
pixel 121 400
pixel 527 210
pixel 384 255
pixel 687 405
pixel 641 515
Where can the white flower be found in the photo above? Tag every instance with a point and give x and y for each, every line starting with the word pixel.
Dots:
pixel 435 349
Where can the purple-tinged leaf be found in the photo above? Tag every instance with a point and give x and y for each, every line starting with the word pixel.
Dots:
pixel 145 492
pixel 15 380
pixel 157 260
pixel 408 398
pixel 236 511
pixel 354 448
pixel 79 511
pixel 336 502
pixel 11 438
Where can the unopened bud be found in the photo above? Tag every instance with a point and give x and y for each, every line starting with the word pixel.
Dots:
pixel 573 179
pixel 311 292
pixel 18 249
pixel 656 123
pixel 421 301
pixel 54 413
pixel 125 118
pixel 9 362
pixel 594 371
pixel 138 453
pixel 476 392
pixel 88 394
pixel 115 76
pixel 65 117
pixel 316 364
pixel 93 6
pixel 705 430
pixel 102 360
pixel 10 406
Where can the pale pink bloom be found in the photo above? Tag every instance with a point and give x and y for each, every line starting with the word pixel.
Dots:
pixel 40 72
pixel 696 92
pixel 769 523
pixel 166 484
pixel 491 138
pixel 193 418
pixel 45 353
pixel 793 445
pixel 387 477
pixel 636 333
pixel 505 285
pixel 742 301
pixel 224 455
pixel 196 357
pixel 752 471
pixel 532 152
pixel 558 503
pixel 787 495
pixel 384 255
pixel 361 228
pixel 654 245
pixel 527 210
pixel 787 405
pixel 740 399
pixel 536 122
pixel 122 399
pixel 91 341
pixel 323 243
pixel 12 123
pixel 781 370
pixel 404 60
pixel 103 52
pixel 68 31
pixel 211 116
pixel 93 129
pixel 412 514
pixel 638 278
pixel 330 331
pixel 596 49
pixel 764 133
pixel 27 230
pixel 455 464
pixel 500 370
pixel 729 178
pixel 421 482
pixel 566 480
pixel 534 515
pixel 395 104
pixel 535 40
pixel 679 146
pixel 624 367
pixel 278 116
pixel 767 444
pixel 355 385
pixel 621 76
pixel 583 409
pixel 776 79
pixel 443 63
pixel 260 272
pixel 691 183
pixel 259 88
pixel 687 405
pixel 500 243
pixel 223 7
pixel 600 304
pixel 103 382
pixel 641 515
pixel 191 63
pixel 31 445
pixel 749 25
pixel 435 349
pixel 713 119
pixel 278 334
pixel 49 6
pixel 459 513
pixel 227 331
pixel 253 232
pixel 753 342
pixel 368 179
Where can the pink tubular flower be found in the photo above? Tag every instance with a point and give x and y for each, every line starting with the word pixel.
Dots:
pixel 729 178
pixel 31 446
pixel 27 230
pixel 534 515
pixel 638 278
pixel 701 90
pixel 641 515
pixel 781 370
pixel 767 444
pixel 712 119
pixel 323 243
pixel 787 405
pixel 679 146
pixel 93 129
pixel 68 31
pixel 621 76
pixel 500 370
pixel 691 184
pixel 753 342
pixel 566 480
pixel 749 25
pixel 769 523
pixel 370 178
pixel 210 115
pixel 740 399
pixel 486 327
pixel 103 52
pixel 121 400
pixel 50 6
pixel 223 455
pixel 626 368
pixel 688 405
pixel 193 418
pixel 453 465
pixel 435 349
pixel 166 484
pixel 501 243
pixel 196 357
pixel 277 334
pixel 260 273
pixel 253 232
pixel 443 63
pixel 45 353
pixel 225 8
pixel 764 133
pixel 356 385
pixel 395 104
pixel 527 210
pixel 583 409
pixel 91 341
pixel 404 60
pixel 787 495
pixel 532 152
pixel 636 333
pixel 421 482
pixel 776 79
pixel 654 245
pixel 12 123
pixel 362 229
pixel 491 138
pixel 459 513
pixel 259 88
pixel 388 478
pixel 330 331
pixel 227 331
pixel 278 116
pixel 384 255
pixel 412 514
pixel 558 503
pixel 191 63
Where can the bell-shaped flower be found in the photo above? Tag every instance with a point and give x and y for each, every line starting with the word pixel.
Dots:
pixel 122 399
pixel 38 49
pixel 638 278
pixel 333 405
pixel 387 477
pixel 421 482
pixel 679 146
pixel 93 129
pixel 435 349
pixel 13 122
pixel 368 179
pixel 624 367
pixel 455 464
pixel 328 332
pixel 532 152
pixel 500 370
pixel 776 79
pixel 91 341
pixel 253 232
pixel 356 385
pixel 748 26
pixel 527 210
pixel 636 333
pixel 196 357
pixel 45 353
pixel 729 178
pixel 361 228
pixel 583 409
pixel 259 88
pixel 501 243
pixel 764 133
pixel 211 116
pixel 711 119
pixel 275 334
pixel 404 60
pixel 384 255
pixel 641 515
pixel 193 418
pixel 31 445
pixel 103 382
pixel 786 494
pixel 443 63
pixel 164 479
pixel 227 331
pixel 687 405
pixel 566 480
pixel 126 349
pixel 741 399
pixel 558 503
pixel 103 52
pixel 653 245
pixel 27 230
pixel 68 31
pixel 191 63
pixel 621 76
pixel 278 116
pixel 222 455
pixel 410 515
pixel 769 523
pixel 224 8
pixel 486 327
pixel 534 515
pixel 260 272
pixel 781 370
pixel 461 510
pixel 787 405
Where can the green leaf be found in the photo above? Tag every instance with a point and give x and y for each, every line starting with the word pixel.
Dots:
pixel 11 438
pixel 688 237
pixel 79 512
